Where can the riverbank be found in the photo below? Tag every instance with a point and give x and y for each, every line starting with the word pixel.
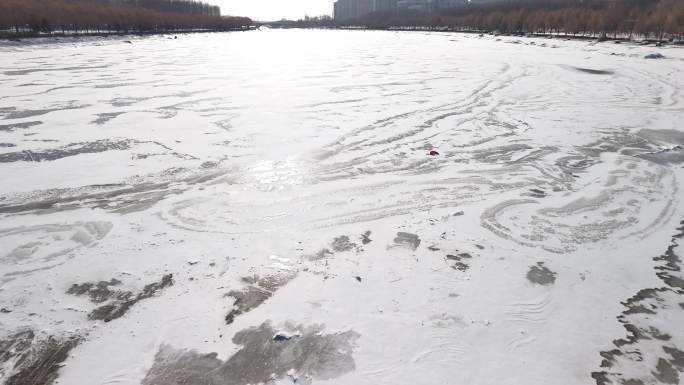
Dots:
pixel 33 35
pixel 609 37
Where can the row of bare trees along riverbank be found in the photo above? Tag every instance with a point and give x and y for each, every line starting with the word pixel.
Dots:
pixel 649 19
pixel 30 17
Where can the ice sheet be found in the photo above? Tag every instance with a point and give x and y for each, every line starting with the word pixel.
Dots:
pixel 280 181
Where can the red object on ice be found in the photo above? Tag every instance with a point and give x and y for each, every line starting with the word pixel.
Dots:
pixel 433 153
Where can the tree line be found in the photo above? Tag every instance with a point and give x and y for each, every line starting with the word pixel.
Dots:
pixel 181 6
pixel 112 16
pixel 649 19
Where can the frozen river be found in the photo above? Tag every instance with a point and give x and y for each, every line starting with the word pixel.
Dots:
pixel 261 207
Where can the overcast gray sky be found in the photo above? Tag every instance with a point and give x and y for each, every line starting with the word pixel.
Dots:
pixel 274 9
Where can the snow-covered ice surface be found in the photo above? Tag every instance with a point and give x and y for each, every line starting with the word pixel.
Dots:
pixel 261 207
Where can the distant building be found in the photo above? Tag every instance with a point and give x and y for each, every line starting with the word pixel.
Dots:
pixel 364 7
pixel 343 10
pixel 384 5
pixel 422 6
pixel 352 9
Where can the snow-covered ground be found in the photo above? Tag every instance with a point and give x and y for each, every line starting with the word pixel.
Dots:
pixel 252 207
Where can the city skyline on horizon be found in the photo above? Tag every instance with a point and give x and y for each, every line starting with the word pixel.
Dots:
pixel 274 10
pixel 271 10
